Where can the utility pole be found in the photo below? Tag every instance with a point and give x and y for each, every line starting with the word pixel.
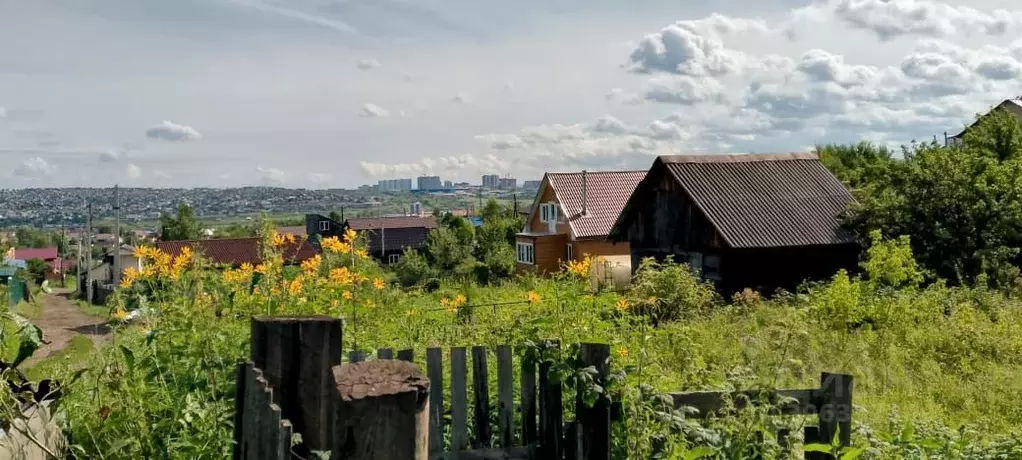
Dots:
pixel 117 238
pixel 61 255
pixel 79 261
pixel 88 256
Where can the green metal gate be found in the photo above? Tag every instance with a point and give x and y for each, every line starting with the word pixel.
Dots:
pixel 16 289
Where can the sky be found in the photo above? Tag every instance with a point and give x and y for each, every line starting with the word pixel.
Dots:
pixel 339 93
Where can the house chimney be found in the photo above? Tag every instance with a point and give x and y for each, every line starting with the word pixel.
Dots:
pixel 585 193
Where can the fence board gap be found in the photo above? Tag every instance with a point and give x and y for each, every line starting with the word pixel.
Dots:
pixel 385 353
pixel 406 355
pixel 458 406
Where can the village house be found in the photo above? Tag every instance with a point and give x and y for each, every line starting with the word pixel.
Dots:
pixel 764 221
pixel 571 217
pixel 386 237
pixel 103 272
pixel 1011 106
pixel 57 265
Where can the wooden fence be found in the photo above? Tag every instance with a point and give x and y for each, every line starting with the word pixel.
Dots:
pixel 287 388
pixel 831 403
pixel 292 385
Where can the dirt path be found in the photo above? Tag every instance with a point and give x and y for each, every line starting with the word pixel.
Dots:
pixel 60 320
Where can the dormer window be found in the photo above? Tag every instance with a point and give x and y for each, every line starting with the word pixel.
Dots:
pixel 548 212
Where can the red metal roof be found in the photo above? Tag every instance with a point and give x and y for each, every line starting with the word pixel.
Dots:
pixel 236 251
pixel 607 191
pixel 765 200
pixel 370 223
pixel 295 230
pixel 35 253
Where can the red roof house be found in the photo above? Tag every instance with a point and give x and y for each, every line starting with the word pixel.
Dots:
pixel 237 251
pixel 45 254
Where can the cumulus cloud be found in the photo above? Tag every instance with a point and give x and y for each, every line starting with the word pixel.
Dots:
pixel 890 19
pixel 134 172
pixel 622 96
pixel 109 156
pixel 684 89
pixel 373 111
pixel 368 64
pixel 34 167
pixel 173 132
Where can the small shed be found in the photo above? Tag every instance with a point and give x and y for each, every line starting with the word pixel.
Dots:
pixel 759 221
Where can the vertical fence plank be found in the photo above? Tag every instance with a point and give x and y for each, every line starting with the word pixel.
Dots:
pixel 836 407
pixel 264 397
pixel 384 353
pixel 270 431
pixel 241 378
pixel 252 416
pixel 550 414
pixel 528 403
pixel 435 372
pixel 812 434
pixel 407 354
pixel 284 440
pixel 481 393
pixel 356 356
pixel 505 396
pixel 459 382
pixel 595 420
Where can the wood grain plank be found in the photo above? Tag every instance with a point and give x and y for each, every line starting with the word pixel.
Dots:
pixel 505 396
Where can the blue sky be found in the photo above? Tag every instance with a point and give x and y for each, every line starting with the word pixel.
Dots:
pixel 337 93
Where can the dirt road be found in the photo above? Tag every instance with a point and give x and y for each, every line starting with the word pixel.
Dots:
pixel 60 320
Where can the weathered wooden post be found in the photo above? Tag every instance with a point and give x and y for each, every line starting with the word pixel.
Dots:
pixel 595 420
pixel 296 356
pixel 836 408
pixel 382 411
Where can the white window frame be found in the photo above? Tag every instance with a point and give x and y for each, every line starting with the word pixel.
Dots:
pixel 393 259
pixel 571 251
pixel 324 225
pixel 525 253
pixel 547 212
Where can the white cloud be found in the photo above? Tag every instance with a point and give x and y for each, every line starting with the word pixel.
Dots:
pixel 895 18
pixel 34 167
pixel 463 98
pixel 170 131
pixel 271 176
pixel 134 172
pixel 368 64
pixel 622 96
pixel 373 111
pixel 109 156
pixel 684 89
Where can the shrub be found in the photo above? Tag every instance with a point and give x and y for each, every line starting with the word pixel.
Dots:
pixel 665 291
pixel 413 268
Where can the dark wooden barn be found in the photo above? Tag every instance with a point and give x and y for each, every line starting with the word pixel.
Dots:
pixel 763 221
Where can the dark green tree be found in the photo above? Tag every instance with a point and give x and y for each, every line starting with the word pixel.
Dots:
pixel 182 227
pixel 446 251
pixel 36 269
pixel 857 164
pixel 336 216
pixel 961 206
pixel 492 211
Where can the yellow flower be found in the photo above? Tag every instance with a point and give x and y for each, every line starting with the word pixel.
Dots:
pixel 448 305
pixel 350 235
pixel 290 238
pixel 621 305
pixel 378 284
pixel 128 277
pixel 459 300
pixel 411 312
pixel 246 267
pixel 295 286
pixel 120 315
pixel 369 303
pixel 533 297
pixel 311 265
pixel 622 351
pixel 651 299
pixel 342 276
pixel 262 269
pixel 347 295
pixel 278 239
pixel 335 245
pixel 362 253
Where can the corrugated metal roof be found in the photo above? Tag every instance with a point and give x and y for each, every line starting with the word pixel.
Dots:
pixel 773 200
pixel 608 192
pixel 369 223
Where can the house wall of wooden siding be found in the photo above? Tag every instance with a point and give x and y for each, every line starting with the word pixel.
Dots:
pixel 548 250
pixel 667 221
pixel 599 248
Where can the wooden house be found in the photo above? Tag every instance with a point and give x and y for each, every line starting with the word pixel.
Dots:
pixel 764 221
pixel 571 217
pixel 386 237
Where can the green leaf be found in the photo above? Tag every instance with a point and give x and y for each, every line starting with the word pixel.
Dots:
pixel 129 357
pixel 851 453
pixel 816 447
pixel 699 452
pixel 908 432
pixel 30 338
